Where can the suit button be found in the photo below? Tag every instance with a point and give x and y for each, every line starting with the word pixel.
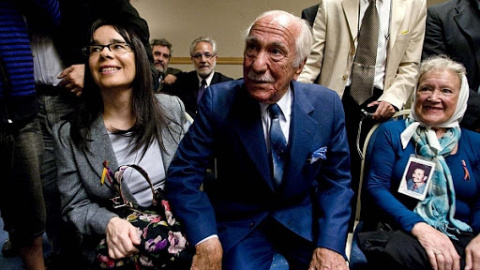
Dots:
pixel 252 224
pixel 344 77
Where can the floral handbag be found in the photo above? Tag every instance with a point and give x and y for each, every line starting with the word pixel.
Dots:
pixel 163 243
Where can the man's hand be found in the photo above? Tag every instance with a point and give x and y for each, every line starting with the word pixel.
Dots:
pixel 324 258
pixel 440 250
pixel 384 111
pixel 121 238
pixel 472 254
pixel 169 79
pixel 72 78
pixel 208 255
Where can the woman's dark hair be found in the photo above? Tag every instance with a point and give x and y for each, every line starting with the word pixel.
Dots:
pixel 149 115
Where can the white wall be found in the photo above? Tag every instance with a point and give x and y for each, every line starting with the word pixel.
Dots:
pixel 181 21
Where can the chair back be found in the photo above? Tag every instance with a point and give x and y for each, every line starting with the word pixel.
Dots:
pixel 367 149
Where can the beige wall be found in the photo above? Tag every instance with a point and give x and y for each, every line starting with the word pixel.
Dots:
pixel 181 21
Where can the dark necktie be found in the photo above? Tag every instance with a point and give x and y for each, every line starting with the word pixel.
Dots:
pixel 201 90
pixel 278 144
pixel 363 70
pixel 161 76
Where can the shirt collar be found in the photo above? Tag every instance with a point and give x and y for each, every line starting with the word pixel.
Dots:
pixel 208 79
pixel 285 103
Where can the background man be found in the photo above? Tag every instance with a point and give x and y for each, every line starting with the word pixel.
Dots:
pixel 282 157
pixel 162 52
pixel 310 13
pixel 452 29
pixel 190 86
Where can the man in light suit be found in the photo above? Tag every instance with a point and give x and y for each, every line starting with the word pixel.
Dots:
pixel 400 41
pixel 452 29
pixel 244 216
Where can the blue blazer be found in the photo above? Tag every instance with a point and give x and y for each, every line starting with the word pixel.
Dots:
pixel 314 199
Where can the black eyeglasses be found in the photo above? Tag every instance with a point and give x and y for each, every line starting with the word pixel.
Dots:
pixel 207 55
pixel 116 47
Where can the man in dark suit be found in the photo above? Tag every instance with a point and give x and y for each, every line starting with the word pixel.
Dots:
pixel 310 13
pixel 452 29
pixel 162 53
pixel 203 52
pixel 294 200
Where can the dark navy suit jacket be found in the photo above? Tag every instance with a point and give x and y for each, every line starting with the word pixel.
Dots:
pixel 186 88
pixel 314 198
pixel 453 29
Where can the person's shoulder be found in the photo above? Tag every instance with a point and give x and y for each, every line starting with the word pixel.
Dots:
pixel 221 77
pixel 444 7
pixel 468 141
pixel 313 89
pixel 184 75
pixel 472 136
pixel 62 127
pixel 392 127
pixel 167 100
pixel 172 106
pixel 61 131
pixel 227 86
pixel 173 71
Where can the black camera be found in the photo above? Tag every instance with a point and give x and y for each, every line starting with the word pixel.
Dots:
pixel 368 111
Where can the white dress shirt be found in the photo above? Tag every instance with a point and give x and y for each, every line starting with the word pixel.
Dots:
pixel 285 104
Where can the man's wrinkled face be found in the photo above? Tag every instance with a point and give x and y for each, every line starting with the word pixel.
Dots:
pixel 269 56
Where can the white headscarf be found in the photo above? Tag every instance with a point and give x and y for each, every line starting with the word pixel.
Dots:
pixel 452 122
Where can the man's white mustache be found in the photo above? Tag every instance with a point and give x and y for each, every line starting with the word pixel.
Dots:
pixel 260 78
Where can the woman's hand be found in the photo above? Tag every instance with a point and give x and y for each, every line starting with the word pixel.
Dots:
pixel 472 254
pixel 440 250
pixel 121 238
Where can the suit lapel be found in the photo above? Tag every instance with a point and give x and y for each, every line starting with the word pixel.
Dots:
pixel 398 10
pixel 303 129
pixel 248 125
pixel 170 144
pixel 350 8
pixel 99 140
pixel 215 78
pixel 468 24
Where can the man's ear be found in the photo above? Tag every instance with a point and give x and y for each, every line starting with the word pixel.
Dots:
pixel 299 69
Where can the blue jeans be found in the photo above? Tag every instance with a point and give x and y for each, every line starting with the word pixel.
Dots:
pixel 21 198
pixel 52 109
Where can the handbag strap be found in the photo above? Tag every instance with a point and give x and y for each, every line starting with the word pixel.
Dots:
pixel 118 176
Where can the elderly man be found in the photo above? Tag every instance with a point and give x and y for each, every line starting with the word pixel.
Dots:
pixel 283 180
pixel 162 52
pixel 190 86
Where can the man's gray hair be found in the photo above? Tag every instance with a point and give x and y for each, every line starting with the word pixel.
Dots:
pixel 304 40
pixel 203 39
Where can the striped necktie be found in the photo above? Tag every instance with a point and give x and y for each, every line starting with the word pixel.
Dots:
pixel 278 144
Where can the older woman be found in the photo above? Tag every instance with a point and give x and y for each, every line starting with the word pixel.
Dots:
pixel 120 121
pixel 440 231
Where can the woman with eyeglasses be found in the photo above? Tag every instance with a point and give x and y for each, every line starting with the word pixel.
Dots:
pixel 120 121
pixel 440 230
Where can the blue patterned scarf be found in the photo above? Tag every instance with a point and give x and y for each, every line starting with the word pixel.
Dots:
pixel 438 208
